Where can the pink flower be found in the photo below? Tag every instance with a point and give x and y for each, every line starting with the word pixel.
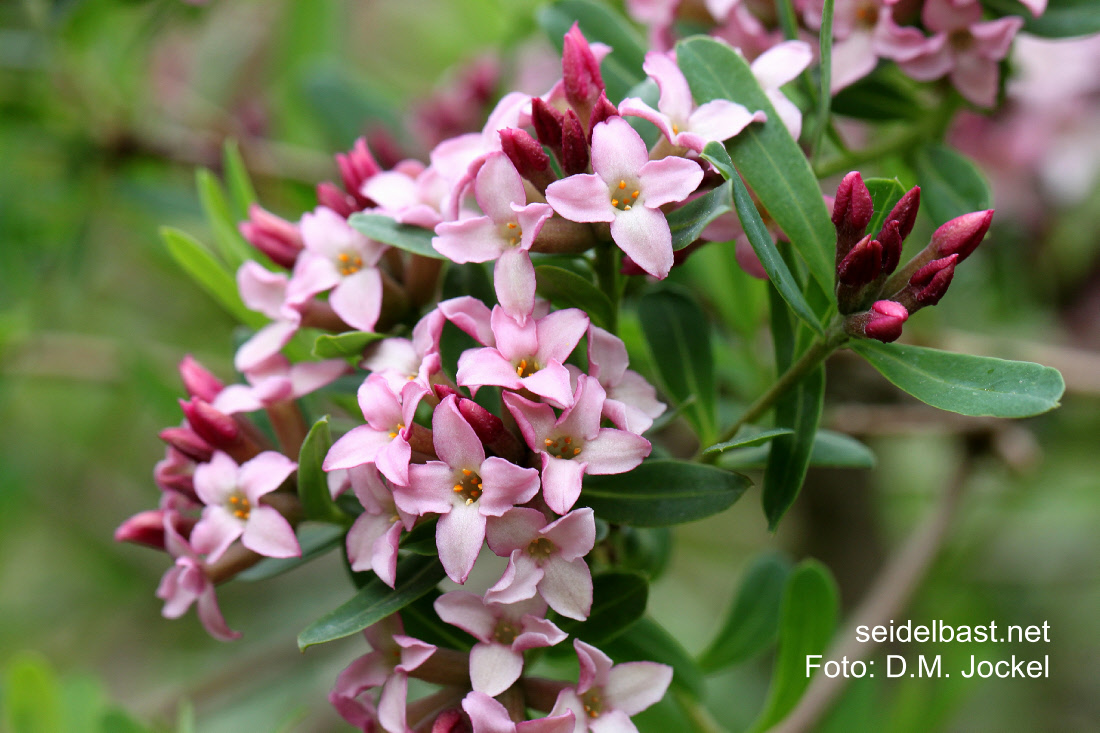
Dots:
pixel 384 440
pixel 373 539
pixel 400 360
pixel 276 380
pixel 677 117
pixel 265 292
pixel 464 487
pixel 631 401
pixel 505 234
pixel 186 583
pixel 340 259
pixel 232 496
pixel 410 193
pixel 607 696
pixel 574 443
pixel 489 716
pixel 544 558
pixel 627 190
pixel 504 632
pixel 774 68
pixel 526 356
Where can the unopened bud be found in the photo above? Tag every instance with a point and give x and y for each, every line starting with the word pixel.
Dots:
pixel 442 391
pixel 574 146
pixel 862 264
pixel 188 442
pixel 213 426
pixel 331 197
pixel 527 156
pixel 905 212
pixel 452 721
pixel 547 122
pixel 198 381
pixel 580 72
pixel 276 237
pixel 891 240
pixel 852 212
pixel 490 430
pixel 602 111
pixel 175 473
pixel 145 528
pixel 961 235
pixel 883 322
pixel 356 166
pixel 930 282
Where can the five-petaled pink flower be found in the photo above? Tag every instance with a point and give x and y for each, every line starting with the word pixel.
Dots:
pixel 186 582
pixel 373 539
pixel 627 190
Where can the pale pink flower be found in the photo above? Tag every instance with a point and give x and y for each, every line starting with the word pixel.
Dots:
pixel 373 539
pixel 631 401
pixel 233 509
pixel 411 193
pixel 504 632
pixel 464 487
pixel 276 380
pixel 186 583
pixel 400 360
pixel 574 443
pixel 544 558
pixel 264 291
pixel 489 716
pixel 627 190
pixel 774 68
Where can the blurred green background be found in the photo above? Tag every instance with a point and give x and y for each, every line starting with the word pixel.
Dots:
pixel 107 107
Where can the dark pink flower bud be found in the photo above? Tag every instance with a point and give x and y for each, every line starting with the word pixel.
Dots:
pixel 602 111
pixel 883 322
pixel 215 427
pixel 356 166
pixel 580 71
pixel 930 282
pixel 144 528
pixel 961 235
pixel 187 442
pixel 547 122
pixel 174 473
pixel 276 237
pixel 331 197
pixel 862 264
pixel 574 146
pixel 891 240
pixel 490 430
pixel 198 381
pixel 852 212
pixel 905 212
pixel 442 391
pixel 527 156
pixel 452 721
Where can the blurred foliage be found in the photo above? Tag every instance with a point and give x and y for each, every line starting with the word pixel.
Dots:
pixel 107 107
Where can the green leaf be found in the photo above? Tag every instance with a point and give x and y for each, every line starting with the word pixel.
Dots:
pixel 116 720
pixel 689 221
pixel 421 539
pixel 622 68
pixel 825 56
pixel 810 606
pixel 387 231
pixel 644 550
pixel 950 184
pixel 969 385
pixel 662 493
pixel 232 247
pixel 884 94
pixel 316 540
pixel 241 192
pixel 749 437
pixel 648 641
pixel 375 601
pixel 567 289
pixel 770 160
pixel 830 450
pixel 761 239
pixel 678 334
pixel 30 696
pixel 344 345
pixel 210 274
pixel 885 193
pixel 341 106
pixel 1061 19
pixel 618 600
pixel 752 623
pixel 422 622
pixel 313 490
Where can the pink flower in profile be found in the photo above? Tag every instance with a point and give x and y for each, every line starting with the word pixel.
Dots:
pixel 264 291
pixel 489 716
pixel 505 234
pixel 410 193
pixel 504 632
pixel 574 443
pixel 186 583
pixel 373 539
pixel 340 259
pixel 677 117
pixel 393 655
pixel 464 487
pixel 276 380
pixel 627 190
pixel 631 401
pixel 384 440
pixel 400 360
pixel 544 558
pixel 607 696
pixel 232 496
pixel 964 47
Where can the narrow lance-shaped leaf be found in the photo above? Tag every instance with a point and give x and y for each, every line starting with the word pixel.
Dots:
pixel 830 450
pixel 662 493
pixel 749 438
pixel 232 247
pixel 770 160
pixel 969 385
pixel 761 239
pixel 315 540
pixel 375 601
pixel 618 600
pixel 689 221
pixel 241 192
pixel 344 345
pixel 825 56
pixel 210 274
pixel 567 289
pixel 387 231
pixel 313 489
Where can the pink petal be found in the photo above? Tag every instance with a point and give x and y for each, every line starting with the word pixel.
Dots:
pixel 312 274
pixel 237 398
pixel 634 686
pixel 392 702
pixel 618 153
pixel 476 239
pixel 261 289
pixel 366 529
pixel 309 376
pixel 634 107
pixel 994 37
pixel 268 533
pixel 538 632
pixel 357 446
pixel 567 587
pixel 497 187
pixel 215 532
pixel 393 460
pixel 574 534
pixel 516 338
pixel 594 666
pixel 456 443
pixel 583 197
pixel 216 479
pixel 264 344
pixel 559 333
pixel 358 299
pixel 675 101
pixel 211 616
pixel 552 383
pixel 468 612
pixel 607 359
pixel 494 667
pixel 561 482
pixel 379 403
pixel 519 581
pixel 472 316
pixel 933 62
pixel 486 714
pixel 264 473
pixel 459 536
pixel 429 489
pixel 667 181
pixel 976 79
pixel 782 63
pixel 535 420
pixel 531 218
pixel 720 120
pixel 514 282
pixel 582 420
pixel 514 530
pixel 643 234
pixel 946 16
pixel 486 366
pixel 789 113
pixel 506 485
pixel 615 451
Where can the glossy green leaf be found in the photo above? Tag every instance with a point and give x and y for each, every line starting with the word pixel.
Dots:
pixel 969 385
pixel 210 274
pixel 622 68
pixel 950 184
pixel 387 231
pixel 344 345
pixel 761 239
pixel 618 600
pixel 567 289
pixel 811 603
pixel 771 162
pixel 231 246
pixel 752 622
pixel 237 180
pixel 885 193
pixel 313 489
pixel 662 493
pixel 375 601
pixel 648 641
pixel 830 450
pixel 644 550
pixel 422 622
pixel 884 94
pixel 1061 19
pixel 689 221
pixel 678 334
pixel 748 437
pixel 421 539
pixel 315 539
